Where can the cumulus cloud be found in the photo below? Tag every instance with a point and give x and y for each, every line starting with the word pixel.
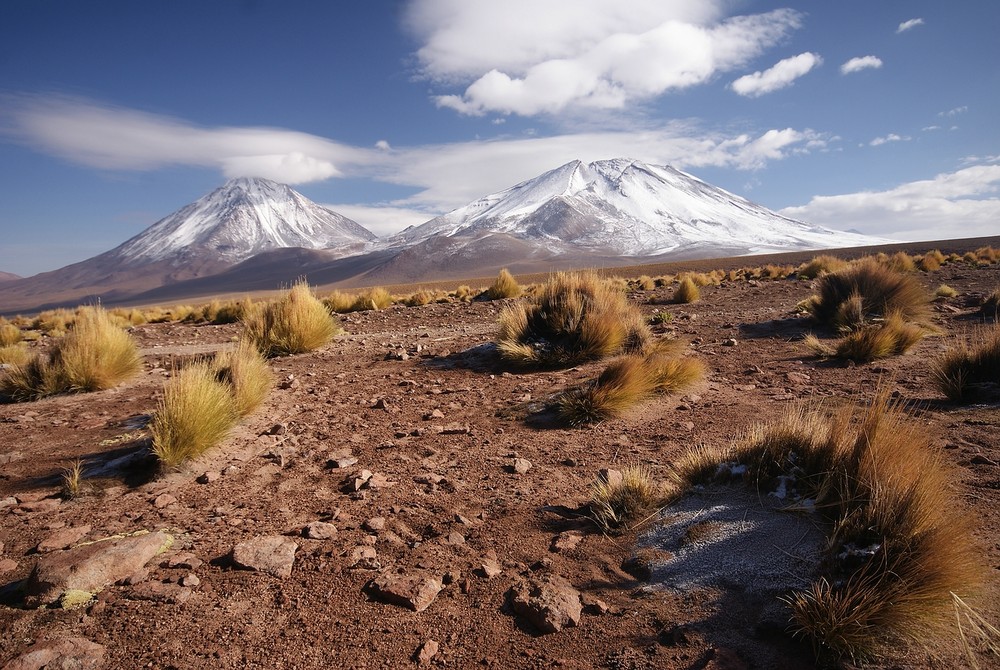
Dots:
pixel 528 58
pixel 861 63
pixel 951 205
pixel 909 25
pixel 891 137
pixel 781 75
pixel 117 138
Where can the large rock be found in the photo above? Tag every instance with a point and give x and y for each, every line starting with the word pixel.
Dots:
pixel 549 604
pixel 413 589
pixel 68 653
pixel 273 554
pixel 73 576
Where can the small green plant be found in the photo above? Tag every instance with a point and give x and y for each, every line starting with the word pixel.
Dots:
pixel 660 318
pixel 196 413
pixel 504 286
pixel 295 323
pixel 686 292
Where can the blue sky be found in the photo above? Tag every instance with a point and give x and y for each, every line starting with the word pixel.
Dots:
pixel 875 116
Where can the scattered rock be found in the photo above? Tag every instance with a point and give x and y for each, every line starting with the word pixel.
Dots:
pixel 489 566
pixel 413 589
pixel 436 414
pixel 159 592
pixel 798 378
pixel 381 403
pixel 62 539
pixel 356 481
pixel 454 537
pixel 594 605
pixel 363 557
pixel 7 565
pixel 67 653
pixel 375 524
pixel 342 463
pixel 191 580
pixel 184 560
pixel 453 429
pixel 271 554
pixel 209 477
pixel 610 477
pixel 319 530
pixel 520 466
pixel 566 541
pixel 164 500
pixel 73 576
pixel 729 342
pixel 426 653
pixel 549 603
pixel 277 429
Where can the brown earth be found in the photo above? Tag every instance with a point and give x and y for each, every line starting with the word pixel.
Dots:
pixel 446 494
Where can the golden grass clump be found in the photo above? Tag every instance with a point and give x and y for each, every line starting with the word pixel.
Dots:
pixel 10 335
pixel 945 291
pixel 968 373
pixel 821 265
pixel 14 354
pixel 373 299
pixel 626 382
pixel 867 290
pixel 245 371
pixel 930 261
pixel 293 324
pixel 504 286
pixel 621 502
pixel 990 308
pixel 195 413
pixel 899 543
pixel 686 292
pixel 94 356
pixel 901 262
pixel 575 317
pixel 892 337
pixel 419 298
pixel 464 293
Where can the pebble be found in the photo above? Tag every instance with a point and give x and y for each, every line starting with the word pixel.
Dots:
pixel 521 465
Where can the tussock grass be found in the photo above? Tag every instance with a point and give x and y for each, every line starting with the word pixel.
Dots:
pixel 464 293
pixel 504 286
pixel 867 290
pixel 195 413
pixel 373 299
pixel 966 373
pixel 945 291
pixel 930 261
pixel 10 335
pixel 686 292
pixel 990 308
pixel 575 317
pixel 901 262
pixel 899 544
pixel 246 373
pixel 821 265
pixel 72 479
pixel 14 354
pixel 891 337
pixel 626 382
pixel 618 505
pixel 295 323
pixel 94 356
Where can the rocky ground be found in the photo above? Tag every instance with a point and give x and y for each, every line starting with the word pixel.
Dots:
pixel 399 500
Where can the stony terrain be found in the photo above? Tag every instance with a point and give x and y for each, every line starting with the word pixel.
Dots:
pixel 401 469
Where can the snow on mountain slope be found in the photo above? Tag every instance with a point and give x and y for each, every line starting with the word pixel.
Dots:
pixel 244 217
pixel 629 208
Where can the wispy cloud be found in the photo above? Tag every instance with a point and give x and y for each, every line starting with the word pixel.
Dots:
pixel 954 112
pixel 861 63
pixel 781 75
pixel 964 202
pixel 891 137
pixel 581 54
pixel 909 25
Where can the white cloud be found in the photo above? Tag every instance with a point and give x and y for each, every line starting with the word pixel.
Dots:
pixel 383 220
pixel 891 137
pixel 951 205
pixel 383 145
pixel 955 112
pixel 861 63
pixel 779 76
pixel 117 138
pixel 908 25
pixel 524 57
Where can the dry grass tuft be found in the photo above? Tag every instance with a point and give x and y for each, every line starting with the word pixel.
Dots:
pixel 968 373
pixel 72 479
pixel 10 335
pixel 575 317
pixel 94 356
pixel 945 291
pixel 195 414
pixel 891 337
pixel 14 354
pixel 990 309
pixel 504 286
pixel 930 261
pixel 686 292
pixel 898 546
pixel 867 290
pixel 821 265
pixel 901 262
pixel 246 373
pixel 294 324
pixel 623 503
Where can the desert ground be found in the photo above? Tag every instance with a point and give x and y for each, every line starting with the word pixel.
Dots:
pixel 424 458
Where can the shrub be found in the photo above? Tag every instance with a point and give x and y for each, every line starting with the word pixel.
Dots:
pixel 620 503
pixel 573 318
pixel 821 265
pixel 295 323
pixel 866 290
pixel 966 373
pixel 94 356
pixel 10 335
pixel 686 292
pixel 504 286
pixel 626 382
pixel 990 309
pixel 195 413
pixel 891 337
pixel 246 373
pixel 898 546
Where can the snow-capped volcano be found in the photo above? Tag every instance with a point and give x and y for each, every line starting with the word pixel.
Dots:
pixel 629 208
pixel 242 218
